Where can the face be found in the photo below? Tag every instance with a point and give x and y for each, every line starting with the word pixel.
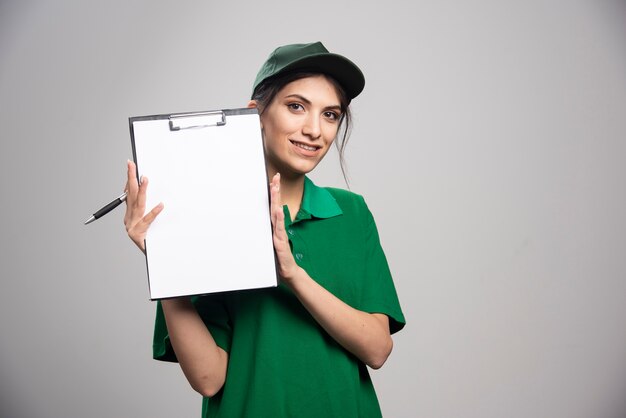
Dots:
pixel 300 125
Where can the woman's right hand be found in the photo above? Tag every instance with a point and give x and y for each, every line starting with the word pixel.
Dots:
pixel 135 221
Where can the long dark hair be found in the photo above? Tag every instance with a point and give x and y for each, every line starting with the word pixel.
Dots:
pixel 267 90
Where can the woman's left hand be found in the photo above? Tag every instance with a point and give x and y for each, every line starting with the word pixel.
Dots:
pixel 287 267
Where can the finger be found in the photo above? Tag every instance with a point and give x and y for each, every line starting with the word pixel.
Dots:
pixel 151 216
pixel 275 199
pixel 130 198
pixel 141 195
pixel 140 229
pixel 280 231
pixel 272 202
pixel 126 185
pixel 131 183
pixel 278 214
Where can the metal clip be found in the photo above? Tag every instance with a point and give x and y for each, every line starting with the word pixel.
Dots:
pixel 197 120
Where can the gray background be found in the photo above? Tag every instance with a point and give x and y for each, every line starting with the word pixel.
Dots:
pixel 489 143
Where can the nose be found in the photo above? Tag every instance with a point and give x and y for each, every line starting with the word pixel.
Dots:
pixel 312 127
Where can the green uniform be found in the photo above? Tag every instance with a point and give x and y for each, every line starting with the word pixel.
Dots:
pixel 281 362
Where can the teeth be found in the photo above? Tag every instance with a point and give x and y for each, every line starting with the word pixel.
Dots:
pixel 303 146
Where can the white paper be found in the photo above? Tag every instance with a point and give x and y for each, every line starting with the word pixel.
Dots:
pixel 214 233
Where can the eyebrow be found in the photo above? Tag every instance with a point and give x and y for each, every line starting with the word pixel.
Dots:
pixel 307 101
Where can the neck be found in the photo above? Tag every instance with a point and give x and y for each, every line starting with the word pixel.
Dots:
pixel 291 191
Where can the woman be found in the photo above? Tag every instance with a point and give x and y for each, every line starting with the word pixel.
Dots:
pixel 301 349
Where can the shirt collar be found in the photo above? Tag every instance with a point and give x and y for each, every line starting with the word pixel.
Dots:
pixel 317 202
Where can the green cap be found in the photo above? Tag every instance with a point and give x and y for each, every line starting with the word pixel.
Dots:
pixel 316 58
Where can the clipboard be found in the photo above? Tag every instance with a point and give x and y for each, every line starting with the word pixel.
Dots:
pixel 214 233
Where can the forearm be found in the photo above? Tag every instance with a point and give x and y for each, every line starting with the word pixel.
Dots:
pixel 201 359
pixel 363 334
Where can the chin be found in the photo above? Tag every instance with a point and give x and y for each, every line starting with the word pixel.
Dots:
pixel 301 169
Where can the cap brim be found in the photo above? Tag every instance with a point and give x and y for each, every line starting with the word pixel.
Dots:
pixel 347 74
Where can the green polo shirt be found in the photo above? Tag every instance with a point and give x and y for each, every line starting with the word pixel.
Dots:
pixel 281 362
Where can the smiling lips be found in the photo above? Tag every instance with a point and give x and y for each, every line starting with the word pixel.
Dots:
pixel 306 147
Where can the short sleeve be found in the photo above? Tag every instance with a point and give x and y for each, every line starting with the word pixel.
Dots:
pixel 161 346
pixel 379 293
pixel 214 313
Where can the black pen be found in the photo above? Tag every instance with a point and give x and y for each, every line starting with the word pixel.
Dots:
pixel 108 208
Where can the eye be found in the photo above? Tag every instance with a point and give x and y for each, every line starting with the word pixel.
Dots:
pixel 330 115
pixel 295 106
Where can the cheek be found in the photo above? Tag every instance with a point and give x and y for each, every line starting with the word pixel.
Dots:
pixel 327 147
pixel 330 133
pixel 277 124
pixel 268 131
pixel 271 138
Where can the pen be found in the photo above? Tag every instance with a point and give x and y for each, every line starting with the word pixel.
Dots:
pixel 108 208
